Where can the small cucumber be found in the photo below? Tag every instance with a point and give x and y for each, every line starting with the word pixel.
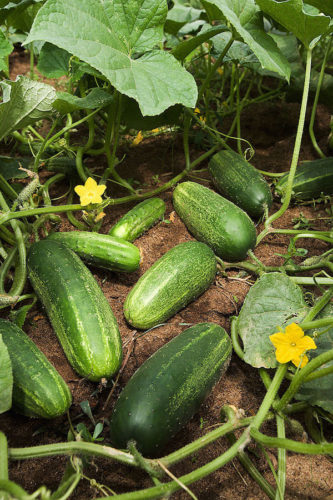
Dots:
pixel 79 312
pixel 101 250
pixel 226 228
pixel 139 219
pixel 177 278
pixel 168 389
pixel 240 182
pixel 38 390
pixel 312 178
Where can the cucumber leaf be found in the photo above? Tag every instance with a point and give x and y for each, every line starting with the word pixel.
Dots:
pixel 10 167
pixel 5 49
pixel 67 103
pixel 180 15
pixel 183 49
pixel 274 301
pixel 319 392
pixel 120 39
pixel 322 5
pixel 291 15
pixel 24 102
pixel 53 62
pixel 6 378
pixel 245 18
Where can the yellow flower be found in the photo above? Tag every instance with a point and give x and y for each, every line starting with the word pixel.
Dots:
pixel 91 192
pixel 137 139
pixel 202 119
pixel 197 110
pixel 155 130
pixel 220 71
pixel 291 345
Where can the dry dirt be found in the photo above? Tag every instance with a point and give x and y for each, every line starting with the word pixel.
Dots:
pixel 271 129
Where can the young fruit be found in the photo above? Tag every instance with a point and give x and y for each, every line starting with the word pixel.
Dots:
pixel 166 391
pixel 219 223
pixel 177 278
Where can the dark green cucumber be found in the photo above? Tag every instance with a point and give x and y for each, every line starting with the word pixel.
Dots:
pixel 80 314
pixel 312 178
pixel 177 278
pixel 240 182
pixel 218 222
pixel 61 165
pixel 101 250
pixel 139 219
pixel 168 389
pixel 38 390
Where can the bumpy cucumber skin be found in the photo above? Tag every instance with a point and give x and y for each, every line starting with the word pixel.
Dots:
pixel 139 219
pixel 311 179
pixel 79 312
pixel 168 389
pixel 240 182
pixel 38 390
pixel 218 222
pixel 177 278
pixel 101 250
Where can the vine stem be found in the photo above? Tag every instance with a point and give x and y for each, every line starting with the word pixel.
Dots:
pixel 297 147
pixel 3 457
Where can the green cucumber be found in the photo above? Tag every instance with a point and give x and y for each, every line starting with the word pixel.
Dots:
pixel 101 250
pixel 139 219
pixel 240 182
pixel 38 390
pixel 177 278
pixel 218 222
pixel 168 389
pixel 79 312
pixel 312 179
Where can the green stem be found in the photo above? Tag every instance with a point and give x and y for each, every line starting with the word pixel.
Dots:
pixel 319 323
pixel 291 445
pixel 319 305
pixel 238 112
pixel 235 339
pixel 282 460
pixel 296 152
pixel 319 373
pixel 3 457
pixel 315 102
pixel 312 281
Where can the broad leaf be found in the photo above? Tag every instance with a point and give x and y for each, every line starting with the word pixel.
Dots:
pixel 273 302
pixel 6 378
pixel 24 102
pixel 244 16
pixel 5 49
pixel 180 15
pixel 183 49
pixel 291 15
pixel 67 103
pixel 10 167
pixel 323 5
pixel 53 62
pixel 110 36
pixel 22 16
pixel 132 116
pixel 319 392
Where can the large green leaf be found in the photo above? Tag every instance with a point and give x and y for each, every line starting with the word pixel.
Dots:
pixel 244 16
pixel 291 15
pixel 111 36
pixel 324 6
pixel 24 102
pixel 273 302
pixel 180 15
pixel 10 167
pixel 6 378
pixel 319 392
pixel 67 103
pixel 5 49
pixel 53 62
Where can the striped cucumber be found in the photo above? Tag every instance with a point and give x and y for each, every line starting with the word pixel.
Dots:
pixel 312 178
pixel 240 182
pixel 177 278
pixel 226 228
pixel 139 219
pixel 168 389
pixel 38 390
pixel 80 314
pixel 101 250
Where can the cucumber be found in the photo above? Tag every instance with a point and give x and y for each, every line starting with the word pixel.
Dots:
pixel 240 182
pixel 312 178
pixel 80 314
pixel 38 390
pixel 139 219
pixel 226 228
pixel 168 389
pixel 177 278
pixel 101 250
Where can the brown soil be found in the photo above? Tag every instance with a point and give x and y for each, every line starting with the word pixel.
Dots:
pixel 270 128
